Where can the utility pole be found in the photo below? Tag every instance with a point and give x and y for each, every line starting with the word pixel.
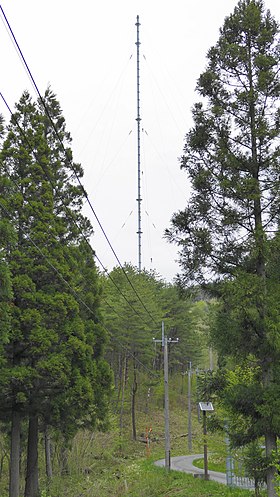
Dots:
pixel 190 407
pixel 211 359
pixel 166 400
pixel 165 341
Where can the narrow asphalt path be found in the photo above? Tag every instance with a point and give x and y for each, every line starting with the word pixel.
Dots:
pixel 185 464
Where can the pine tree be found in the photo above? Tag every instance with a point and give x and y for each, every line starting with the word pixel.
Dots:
pixel 232 156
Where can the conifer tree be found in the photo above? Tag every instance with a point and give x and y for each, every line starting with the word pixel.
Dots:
pixel 132 310
pixel 232 157
pixel 54 358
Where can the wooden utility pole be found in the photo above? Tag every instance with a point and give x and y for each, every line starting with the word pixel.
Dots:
pixel 165 341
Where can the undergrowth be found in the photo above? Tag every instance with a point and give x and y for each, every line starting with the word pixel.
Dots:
pixel 113 465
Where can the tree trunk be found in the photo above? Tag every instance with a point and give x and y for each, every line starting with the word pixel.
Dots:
pixel 32 476
pixel 270 438
pixel 118 380
pixel 134 390
pixel 270 446
pixel 64 468
pixel 48 453
pixel 122 398
pixel 270 442
pixel 15 455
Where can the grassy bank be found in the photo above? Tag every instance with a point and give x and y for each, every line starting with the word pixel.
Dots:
pixel 113 465
pixel 141 479
pixel 107 465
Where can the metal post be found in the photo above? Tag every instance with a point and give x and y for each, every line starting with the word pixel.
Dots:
pixel 189 408
pixel 206 475
pixel 229 459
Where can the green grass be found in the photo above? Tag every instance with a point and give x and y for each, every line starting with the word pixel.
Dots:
pixel 215 463
pixel 110 465
pixel 141 478
pixel 118 467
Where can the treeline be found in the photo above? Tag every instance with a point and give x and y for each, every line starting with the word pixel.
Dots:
pixel 74 343
pixel 134 305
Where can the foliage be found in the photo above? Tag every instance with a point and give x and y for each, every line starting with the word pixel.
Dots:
pixel 51 346
pixel 97 466
pixel 232 152
pixel 229 230
pixel 131 310
pixel 54 367
pixel 255 464
pixel 133 327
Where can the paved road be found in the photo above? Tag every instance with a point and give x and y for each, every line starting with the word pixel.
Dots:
pixel 185 464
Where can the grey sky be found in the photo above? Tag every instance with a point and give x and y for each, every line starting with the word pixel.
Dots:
pixel 86 51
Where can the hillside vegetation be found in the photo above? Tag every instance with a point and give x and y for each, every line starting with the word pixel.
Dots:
pixel 111 464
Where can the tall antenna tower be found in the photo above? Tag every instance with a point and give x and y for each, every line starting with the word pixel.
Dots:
pixel 138 119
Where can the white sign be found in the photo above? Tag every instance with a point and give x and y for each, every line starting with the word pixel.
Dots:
pixel 206 406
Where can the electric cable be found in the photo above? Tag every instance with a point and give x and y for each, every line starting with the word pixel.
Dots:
pixel 136 359
pixel 87 199
pixel 49 263
pixel 75 293
pixel 67 208
pixel 71 165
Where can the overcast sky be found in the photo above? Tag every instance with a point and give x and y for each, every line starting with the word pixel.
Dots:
pixel 86 51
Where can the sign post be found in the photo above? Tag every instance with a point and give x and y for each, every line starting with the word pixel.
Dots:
pixel 204 407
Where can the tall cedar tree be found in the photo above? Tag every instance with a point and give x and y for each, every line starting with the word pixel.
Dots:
pixel 55 363
pixel 232 157
pixel 6 238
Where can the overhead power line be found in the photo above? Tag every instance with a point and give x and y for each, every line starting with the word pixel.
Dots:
pixel 68 211
pixel 50 263
pixel 70 164
pixel 78 297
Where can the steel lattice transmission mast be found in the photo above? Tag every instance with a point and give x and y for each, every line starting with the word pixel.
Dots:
pixel 138 119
